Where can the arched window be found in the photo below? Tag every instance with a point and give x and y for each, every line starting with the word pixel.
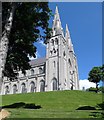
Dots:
pixel 32 71
pixel 52 41
pixel 40 70
pixel 56 41
pixel 32 85
pixel 54 50
pixel 71 86
pixel 54 84
pixel 50 52
pixel 75 67
pixel 57 52
pixel 54 64
pixel 64 54
pixel 6 89
pixel 43 69
pixel 69 62
pixel 14 89
pixel 24 90
pixel 42 86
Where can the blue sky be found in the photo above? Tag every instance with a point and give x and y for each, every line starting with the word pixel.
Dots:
pixel 85 25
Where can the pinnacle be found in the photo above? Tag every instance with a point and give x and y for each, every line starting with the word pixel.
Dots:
pixel 68 39
pixel 57 17
pixel 56 10
pixel 57 28
pixel 67 28
pixel 67 32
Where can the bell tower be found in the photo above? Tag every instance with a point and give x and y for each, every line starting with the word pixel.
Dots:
pixel 53 55
pixel 72 62
pixel 59 59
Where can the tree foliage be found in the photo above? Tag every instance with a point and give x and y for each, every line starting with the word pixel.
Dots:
pixel 102 72
pixel 30 20
pixel 96 75
pixel 91 89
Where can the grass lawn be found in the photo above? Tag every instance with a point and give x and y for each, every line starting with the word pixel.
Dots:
pixel 57 104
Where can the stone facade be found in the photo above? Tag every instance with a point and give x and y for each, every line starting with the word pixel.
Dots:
pixel 58 71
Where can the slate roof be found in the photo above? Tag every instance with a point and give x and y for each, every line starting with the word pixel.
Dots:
pixel 37 62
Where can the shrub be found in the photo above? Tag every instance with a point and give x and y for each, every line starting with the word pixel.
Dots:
pixel 91 89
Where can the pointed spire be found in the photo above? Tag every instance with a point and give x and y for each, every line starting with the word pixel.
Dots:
pixel 68 39
pixel 57 28
pixel 67 35
pixel 56 10
pixel 56 16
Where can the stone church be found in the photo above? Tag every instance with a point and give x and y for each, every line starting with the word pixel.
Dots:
pixel 57 71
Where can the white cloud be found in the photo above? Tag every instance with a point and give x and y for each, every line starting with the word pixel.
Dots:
pixel 31 58
pixel 42 43
pixel 37 56
pixel 86 84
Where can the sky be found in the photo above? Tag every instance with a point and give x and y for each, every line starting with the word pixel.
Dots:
pixel 84 20
pixel 85 84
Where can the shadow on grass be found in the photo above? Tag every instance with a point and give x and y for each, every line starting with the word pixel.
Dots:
pixel 23 105
pixel 99 114
pixel 86 108
pixel 101 106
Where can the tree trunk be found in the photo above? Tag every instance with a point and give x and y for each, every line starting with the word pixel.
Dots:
pixel 97 87
pixel 4 42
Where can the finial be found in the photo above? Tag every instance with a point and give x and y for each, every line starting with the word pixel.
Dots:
pixel 67 32
pixel 56 11
pixel 66 27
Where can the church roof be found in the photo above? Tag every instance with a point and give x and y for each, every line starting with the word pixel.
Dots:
pixel 37 62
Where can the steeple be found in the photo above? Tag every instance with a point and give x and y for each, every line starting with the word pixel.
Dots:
pixel 68 39
pixel 57 28
pixel 67 35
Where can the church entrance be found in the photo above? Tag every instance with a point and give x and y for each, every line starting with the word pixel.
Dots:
pixel 42 86
pixel 24 90
pixel 14 89
pixel 32 87
pixel 6 89
pixel 54 84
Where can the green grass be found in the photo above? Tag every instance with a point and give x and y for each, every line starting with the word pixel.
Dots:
pixel 58 104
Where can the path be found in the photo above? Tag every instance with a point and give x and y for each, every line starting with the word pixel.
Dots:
pixel 3 114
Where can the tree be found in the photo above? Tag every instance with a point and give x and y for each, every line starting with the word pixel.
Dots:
pixel 95 76
pixel 101 89
pixel 5 40
pixel 30 22
pixel 102 72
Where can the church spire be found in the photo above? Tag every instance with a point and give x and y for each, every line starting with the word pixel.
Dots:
pixel 68 39
pixel 56 10
pixel 57 28
pixel 67 35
